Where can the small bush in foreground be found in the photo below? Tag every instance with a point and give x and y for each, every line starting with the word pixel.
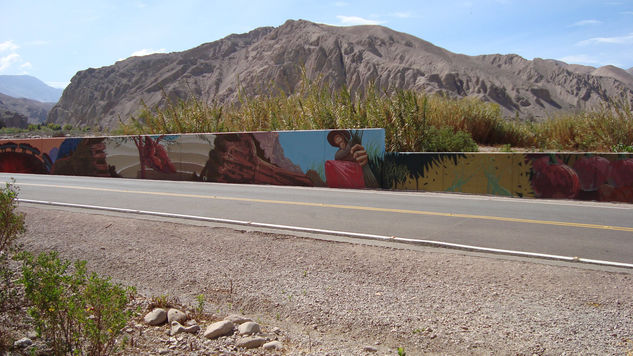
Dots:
pixel 11 226
pixel 11 222
pixel 77 313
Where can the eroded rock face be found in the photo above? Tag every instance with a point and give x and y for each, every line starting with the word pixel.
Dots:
pixel 353 56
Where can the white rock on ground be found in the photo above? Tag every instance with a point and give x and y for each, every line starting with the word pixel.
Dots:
pixel 176 315
pixel 23 342
pixel 237 319
pixel 249 328
pixel 156 317
pixel 218 329
pixel 273 345
pixel 250 342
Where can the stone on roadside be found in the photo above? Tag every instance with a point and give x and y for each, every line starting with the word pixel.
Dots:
pixel 250 342
pixel 23 342
pixel 370 349
pixel 192 329
pixel 218 329
pixel 237 319
pixel 156 317
pixel 248 328
pixel 176 328
pixel 273 345
pixel 176 315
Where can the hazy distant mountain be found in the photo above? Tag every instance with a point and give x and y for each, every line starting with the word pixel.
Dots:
pixel 35 111
pixel 630 70
pixel 352 56
pixel 25 86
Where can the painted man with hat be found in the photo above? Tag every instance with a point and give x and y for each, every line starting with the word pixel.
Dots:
pixel 350 149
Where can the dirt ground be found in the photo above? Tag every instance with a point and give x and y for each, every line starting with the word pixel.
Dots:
pixel 352 297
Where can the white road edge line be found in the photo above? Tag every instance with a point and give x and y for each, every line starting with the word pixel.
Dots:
pixel 338 233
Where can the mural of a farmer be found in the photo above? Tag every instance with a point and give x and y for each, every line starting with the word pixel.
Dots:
pixel 350 168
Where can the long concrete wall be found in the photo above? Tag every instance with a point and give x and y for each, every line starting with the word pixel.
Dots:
pixel 332 158
pixel 582 176
pixel 304 158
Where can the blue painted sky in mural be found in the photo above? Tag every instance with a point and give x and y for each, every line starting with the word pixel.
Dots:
pixel 300 147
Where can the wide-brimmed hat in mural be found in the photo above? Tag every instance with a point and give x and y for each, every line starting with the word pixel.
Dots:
pixel 345 133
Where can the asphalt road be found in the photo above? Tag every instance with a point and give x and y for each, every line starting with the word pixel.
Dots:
pixel 599 231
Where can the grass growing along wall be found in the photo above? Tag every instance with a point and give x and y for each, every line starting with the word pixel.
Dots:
pixel 411 119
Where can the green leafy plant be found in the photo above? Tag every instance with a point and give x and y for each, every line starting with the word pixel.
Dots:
pixel 401 351
pixel 11 222
pixel 200 307
pixel 11 226
pixel 76 312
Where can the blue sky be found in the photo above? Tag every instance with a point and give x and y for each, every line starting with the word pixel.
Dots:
pixel 52 40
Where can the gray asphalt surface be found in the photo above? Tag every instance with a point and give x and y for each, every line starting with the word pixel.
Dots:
pixel 567 228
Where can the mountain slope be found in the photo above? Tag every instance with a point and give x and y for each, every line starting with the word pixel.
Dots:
pixel 25 86
pixel 353 56
pixel 35 111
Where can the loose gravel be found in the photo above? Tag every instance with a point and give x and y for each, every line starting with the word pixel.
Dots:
pixel 341 298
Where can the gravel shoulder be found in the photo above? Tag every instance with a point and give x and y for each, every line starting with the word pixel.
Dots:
pixel 336 297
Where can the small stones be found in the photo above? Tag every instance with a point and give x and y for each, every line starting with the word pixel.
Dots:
pixel 249 328
pixel 237 319
pixel 273 345
pixel 176 315
pixel 218 329
pixel 250 342
pixel 156 317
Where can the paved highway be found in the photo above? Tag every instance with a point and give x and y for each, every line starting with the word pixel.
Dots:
pixel 599 231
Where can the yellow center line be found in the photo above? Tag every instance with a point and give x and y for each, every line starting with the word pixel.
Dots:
pixel 340 206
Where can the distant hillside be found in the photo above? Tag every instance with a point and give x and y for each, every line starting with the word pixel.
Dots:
pixel 25 86
pixel 352 56
pixel 35 111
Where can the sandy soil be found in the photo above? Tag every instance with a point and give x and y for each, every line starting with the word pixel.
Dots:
pixel 337 298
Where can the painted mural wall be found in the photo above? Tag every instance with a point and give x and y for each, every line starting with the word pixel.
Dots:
pixel 337 158
pixel 325 158
pixel 581 176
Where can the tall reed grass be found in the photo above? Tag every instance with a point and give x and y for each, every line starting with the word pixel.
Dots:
pixel 411 120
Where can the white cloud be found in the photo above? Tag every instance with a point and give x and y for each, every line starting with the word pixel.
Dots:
pixel 8 46
pixel 7 61
pixel 146 51
pixel 341 4
pixel 586 23
pixel 580 59
pixel 355 20
pixel 627 39
pixel 402 15
pixel 26 65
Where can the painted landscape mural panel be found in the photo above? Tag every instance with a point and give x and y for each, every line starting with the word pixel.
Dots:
pixel 297 158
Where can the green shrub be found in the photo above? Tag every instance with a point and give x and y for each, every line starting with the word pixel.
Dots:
pixel 76 312
pixel 54 127
pixel 447 140
pixel 11 222
pixel 68 127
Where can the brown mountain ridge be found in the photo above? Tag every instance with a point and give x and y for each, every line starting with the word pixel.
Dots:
pixel 352 56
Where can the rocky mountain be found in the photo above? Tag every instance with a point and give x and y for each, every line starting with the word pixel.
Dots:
pixel 12 119
pixel 35 111
pixel 25 86
pixel 353 56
